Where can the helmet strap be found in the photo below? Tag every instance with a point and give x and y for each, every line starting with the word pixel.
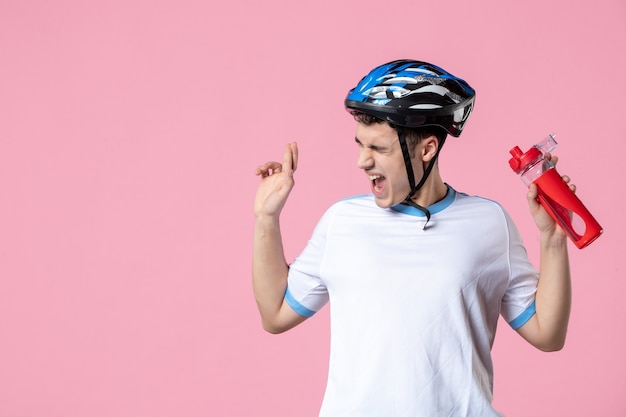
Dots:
pixel 411 175
pixel 407 158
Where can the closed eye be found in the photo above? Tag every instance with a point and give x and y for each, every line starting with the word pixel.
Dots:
pixel 372 147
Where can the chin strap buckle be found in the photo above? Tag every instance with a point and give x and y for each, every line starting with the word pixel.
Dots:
pixel 420 208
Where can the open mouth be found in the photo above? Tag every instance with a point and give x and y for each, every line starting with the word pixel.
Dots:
pixel 378 182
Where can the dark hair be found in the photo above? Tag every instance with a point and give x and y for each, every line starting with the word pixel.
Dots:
pixel 413 135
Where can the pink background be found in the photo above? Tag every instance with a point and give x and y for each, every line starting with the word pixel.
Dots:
pixel 129 133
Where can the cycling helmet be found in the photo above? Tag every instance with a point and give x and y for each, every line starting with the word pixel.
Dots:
pixel 413 94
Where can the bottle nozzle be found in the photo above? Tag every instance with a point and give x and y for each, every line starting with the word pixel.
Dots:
pixel 522 159
pixel 516 152
pixel 514 162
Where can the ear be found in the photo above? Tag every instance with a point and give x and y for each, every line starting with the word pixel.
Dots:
pixel 427 148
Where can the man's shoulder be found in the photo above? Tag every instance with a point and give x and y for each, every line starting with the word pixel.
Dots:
pixel 354 206
pixel 476 205
pixel 359 200
pixel 478 200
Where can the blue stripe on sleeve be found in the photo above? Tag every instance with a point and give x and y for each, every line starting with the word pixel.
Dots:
pixel 297 307
pixel 523 318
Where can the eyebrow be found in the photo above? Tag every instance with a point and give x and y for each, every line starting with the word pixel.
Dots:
pixel 373 147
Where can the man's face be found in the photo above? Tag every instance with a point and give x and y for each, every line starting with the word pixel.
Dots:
pixel 380 157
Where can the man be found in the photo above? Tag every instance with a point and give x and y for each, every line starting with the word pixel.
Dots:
pixel 416 272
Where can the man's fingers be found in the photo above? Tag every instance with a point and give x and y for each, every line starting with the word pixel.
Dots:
pixel 268 168
pixel 294 152
pixel 289 165
pixel 532 191
pixel 290 158
pixel 552 158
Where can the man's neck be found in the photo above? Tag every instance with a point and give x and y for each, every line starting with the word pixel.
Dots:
pixel 432 191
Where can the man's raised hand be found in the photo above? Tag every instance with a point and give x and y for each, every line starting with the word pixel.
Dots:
pixel 276 183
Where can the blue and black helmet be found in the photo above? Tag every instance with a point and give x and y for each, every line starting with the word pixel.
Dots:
pixel 412 94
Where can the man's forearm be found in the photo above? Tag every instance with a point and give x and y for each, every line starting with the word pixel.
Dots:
pixel 554 292
pixel 269 268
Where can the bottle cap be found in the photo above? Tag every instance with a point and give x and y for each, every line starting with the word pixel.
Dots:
pixel 520 160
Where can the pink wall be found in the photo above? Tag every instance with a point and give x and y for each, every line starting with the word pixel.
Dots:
pixel 129 133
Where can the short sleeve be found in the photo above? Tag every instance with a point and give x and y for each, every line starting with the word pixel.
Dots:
pixel 518 302
pixel 306 292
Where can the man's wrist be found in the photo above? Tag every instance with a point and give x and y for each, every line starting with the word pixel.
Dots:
pixel 556 239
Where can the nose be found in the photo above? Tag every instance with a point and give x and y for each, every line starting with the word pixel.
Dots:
pixel 365 159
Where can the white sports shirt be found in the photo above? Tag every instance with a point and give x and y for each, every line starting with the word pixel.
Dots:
pixel 413 311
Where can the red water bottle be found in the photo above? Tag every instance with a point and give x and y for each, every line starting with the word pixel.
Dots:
pixel 554 194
